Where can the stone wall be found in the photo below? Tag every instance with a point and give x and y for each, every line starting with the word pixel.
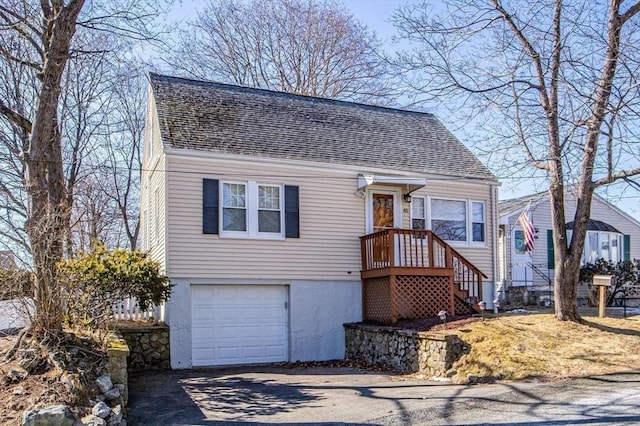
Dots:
pixel 117 353
pixel 405 351
pixel 148 346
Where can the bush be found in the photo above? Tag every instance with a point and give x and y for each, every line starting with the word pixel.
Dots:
pixel 95 281
pixel 626 273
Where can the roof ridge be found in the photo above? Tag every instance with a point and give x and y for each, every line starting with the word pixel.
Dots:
pixel 269 92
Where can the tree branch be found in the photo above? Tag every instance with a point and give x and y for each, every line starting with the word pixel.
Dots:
pixel 15 117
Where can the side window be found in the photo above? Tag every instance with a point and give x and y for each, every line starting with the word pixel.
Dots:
pixel 478 221
pixel 418 213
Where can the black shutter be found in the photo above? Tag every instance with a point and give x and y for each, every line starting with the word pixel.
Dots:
pixel 210 188
pixel 291 212
pixel 551 260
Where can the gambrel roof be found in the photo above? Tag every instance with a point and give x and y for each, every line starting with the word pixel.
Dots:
pixel 222 118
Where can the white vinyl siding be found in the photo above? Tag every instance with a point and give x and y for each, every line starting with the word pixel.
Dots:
pixel 153 199
pixel 331 222
pixel 332 218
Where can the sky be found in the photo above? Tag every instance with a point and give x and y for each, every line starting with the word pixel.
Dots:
pixel 376 15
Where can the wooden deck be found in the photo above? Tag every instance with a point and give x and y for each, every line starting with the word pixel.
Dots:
pixel 408 274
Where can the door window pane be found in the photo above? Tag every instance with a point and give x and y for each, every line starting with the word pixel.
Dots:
pixel 518 242
pixel 449 219
pixel 382 211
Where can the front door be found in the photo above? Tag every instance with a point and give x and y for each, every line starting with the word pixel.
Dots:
pixel 383 210
pixel 521 271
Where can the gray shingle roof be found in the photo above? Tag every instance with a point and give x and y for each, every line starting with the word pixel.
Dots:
pixel 515 204
pixel 224 118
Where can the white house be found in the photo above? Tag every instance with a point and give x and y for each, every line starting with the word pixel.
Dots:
pixel 527 276
pixel 274 213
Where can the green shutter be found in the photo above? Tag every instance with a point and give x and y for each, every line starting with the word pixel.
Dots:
pixel 627 247
pixel 551 262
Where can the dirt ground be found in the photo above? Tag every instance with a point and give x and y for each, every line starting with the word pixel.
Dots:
pixel 43 385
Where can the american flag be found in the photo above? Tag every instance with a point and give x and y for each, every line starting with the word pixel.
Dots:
pixel 526 223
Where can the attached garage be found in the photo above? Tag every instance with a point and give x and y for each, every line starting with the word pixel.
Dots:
pixel 238 324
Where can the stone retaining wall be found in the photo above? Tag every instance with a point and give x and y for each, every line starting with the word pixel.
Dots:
pixel 405 351
pixel 117 353
pixel 148 346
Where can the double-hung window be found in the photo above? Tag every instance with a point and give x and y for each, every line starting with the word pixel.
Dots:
pixel 418 213
pixel 234 207
pixel 269 209
pixel 251 209
pixel 477 222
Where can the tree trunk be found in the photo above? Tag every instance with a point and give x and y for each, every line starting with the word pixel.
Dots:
pixel 44 171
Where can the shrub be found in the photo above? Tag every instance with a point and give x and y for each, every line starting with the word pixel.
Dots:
pixel 626 273
pixel 94 281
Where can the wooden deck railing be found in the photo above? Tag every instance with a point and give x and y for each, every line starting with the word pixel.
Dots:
pixel 409 248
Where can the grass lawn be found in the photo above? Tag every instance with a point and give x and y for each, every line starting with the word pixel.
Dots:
pixel 534 345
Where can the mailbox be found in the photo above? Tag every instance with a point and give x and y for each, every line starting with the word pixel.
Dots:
pixel 602 281
pixel 605 280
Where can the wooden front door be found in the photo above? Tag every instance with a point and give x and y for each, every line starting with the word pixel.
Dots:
pixel 382 210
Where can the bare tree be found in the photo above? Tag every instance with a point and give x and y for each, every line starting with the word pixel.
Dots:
pixel 309 47
pixel 122 148
pixel 559 81
pixel 39 36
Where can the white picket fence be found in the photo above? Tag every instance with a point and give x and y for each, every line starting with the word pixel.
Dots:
pixel 16 313
pixel 128 309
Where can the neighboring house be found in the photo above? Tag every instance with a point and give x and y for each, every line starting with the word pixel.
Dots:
pixel 527 276
pixel 255 203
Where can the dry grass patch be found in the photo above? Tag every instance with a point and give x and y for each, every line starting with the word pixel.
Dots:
pixel 538 346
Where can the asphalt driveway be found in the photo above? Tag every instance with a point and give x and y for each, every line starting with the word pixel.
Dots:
pixel 348 396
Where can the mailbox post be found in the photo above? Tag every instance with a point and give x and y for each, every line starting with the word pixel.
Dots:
pixel 602 281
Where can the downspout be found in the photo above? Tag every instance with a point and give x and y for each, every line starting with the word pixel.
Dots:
pixel 494 249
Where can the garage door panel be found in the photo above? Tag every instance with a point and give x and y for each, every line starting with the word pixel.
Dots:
pixel 238 324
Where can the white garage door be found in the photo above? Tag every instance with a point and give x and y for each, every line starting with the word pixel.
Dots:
pixel 238 324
